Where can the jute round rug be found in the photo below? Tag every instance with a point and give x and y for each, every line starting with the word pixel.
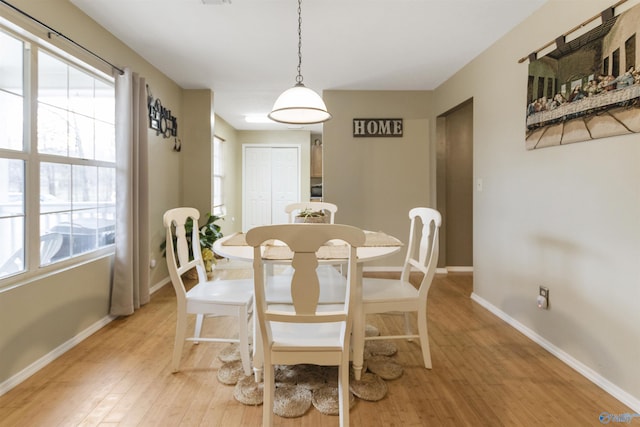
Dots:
pixel 299 387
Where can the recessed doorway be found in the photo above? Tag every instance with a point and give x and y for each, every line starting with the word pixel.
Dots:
pixel 454 182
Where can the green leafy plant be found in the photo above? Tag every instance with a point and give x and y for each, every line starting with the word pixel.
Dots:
pixel 209 232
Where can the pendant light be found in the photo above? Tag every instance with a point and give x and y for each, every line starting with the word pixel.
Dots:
pixel 299 105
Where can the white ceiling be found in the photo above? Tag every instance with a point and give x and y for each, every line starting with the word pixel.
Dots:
pixel 246 50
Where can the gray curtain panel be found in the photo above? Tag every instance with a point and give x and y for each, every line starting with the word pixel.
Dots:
pixel 130 286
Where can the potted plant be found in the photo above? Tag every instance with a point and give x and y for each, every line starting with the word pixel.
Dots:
pixel 310 216
pixel 208 234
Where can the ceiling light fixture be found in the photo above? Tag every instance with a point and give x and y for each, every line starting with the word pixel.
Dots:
pixel 299 105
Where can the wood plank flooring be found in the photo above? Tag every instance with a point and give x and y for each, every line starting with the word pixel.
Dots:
pixel 484 373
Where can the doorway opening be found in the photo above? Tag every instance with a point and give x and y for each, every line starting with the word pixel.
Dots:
pixel 454 186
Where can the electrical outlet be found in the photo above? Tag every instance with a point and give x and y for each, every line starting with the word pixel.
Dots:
pixel 543 298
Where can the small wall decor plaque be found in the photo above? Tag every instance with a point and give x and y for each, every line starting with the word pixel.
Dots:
pixel 377 128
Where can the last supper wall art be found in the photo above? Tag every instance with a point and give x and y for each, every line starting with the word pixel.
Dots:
pixel 587 88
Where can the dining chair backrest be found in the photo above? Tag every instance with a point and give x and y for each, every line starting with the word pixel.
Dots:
pixel 175 222
pixel 423 248
pixel 304 241
pixel 304 330
pixel 294 209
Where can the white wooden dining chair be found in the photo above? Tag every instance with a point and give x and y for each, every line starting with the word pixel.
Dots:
pixel 293 209
pixel 207 298
pixel 391 295
pixel 304 331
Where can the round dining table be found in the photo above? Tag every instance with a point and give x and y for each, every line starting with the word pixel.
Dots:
pixel 377 245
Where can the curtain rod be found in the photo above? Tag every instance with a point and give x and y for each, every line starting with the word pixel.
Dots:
pixel 59 34
pixel 577 27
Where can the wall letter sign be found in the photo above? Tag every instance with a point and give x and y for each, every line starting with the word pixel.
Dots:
pixel 377 128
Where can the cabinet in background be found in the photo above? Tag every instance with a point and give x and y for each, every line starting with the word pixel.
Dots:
pixel 316 158
pixel 315 171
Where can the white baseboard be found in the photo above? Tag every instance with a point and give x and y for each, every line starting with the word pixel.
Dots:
pixel 459 269
pixel 53 355
pixel 615 391
pixel 155 288
pixel 383 269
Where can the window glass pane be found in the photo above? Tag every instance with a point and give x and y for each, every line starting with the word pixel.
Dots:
pixel 81 136
pixel 50 245
pixel 11 92
pixel 105 146
pixel 12 247
pixel 55 188
pixel 106 226
pixel 105 102
pixel 217 191
pixel 52 81
pixel 58 223
pixel 53 102
pixel 11 65
pixel 12 232
pixel 84 234
pixel 11 121
pixel 11 188
pixel 80 92
pixel 218 178
pixel 85 185
pixel 106 206
pixel 53 130
pixel 107 186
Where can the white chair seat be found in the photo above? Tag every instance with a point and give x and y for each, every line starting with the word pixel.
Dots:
pixel 306 337
pixel 232 292
pixel 388 291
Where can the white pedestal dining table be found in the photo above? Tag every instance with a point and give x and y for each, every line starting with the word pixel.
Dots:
pixel 377 245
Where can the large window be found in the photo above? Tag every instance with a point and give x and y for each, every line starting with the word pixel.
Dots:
pixel 218 177
pixel 57 157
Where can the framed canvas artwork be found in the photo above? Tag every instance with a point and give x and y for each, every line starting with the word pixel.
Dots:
pixel 587 88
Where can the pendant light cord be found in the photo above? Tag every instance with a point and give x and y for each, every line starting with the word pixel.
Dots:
pixel 299 76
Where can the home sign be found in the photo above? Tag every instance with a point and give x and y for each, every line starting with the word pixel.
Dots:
pixel 377 128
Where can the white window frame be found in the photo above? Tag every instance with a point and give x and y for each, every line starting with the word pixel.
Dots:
pixel 218 206
pixel 29 154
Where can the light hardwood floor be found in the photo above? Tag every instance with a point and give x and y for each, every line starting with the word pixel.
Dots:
pixel 484 373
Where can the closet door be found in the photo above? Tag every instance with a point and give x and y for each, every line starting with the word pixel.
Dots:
pixel 271 180
pixel 284 182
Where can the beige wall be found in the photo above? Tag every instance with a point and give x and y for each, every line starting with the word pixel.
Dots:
pixel 195 155
pixel 565 217
pixel 376 181
pixel 39 316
